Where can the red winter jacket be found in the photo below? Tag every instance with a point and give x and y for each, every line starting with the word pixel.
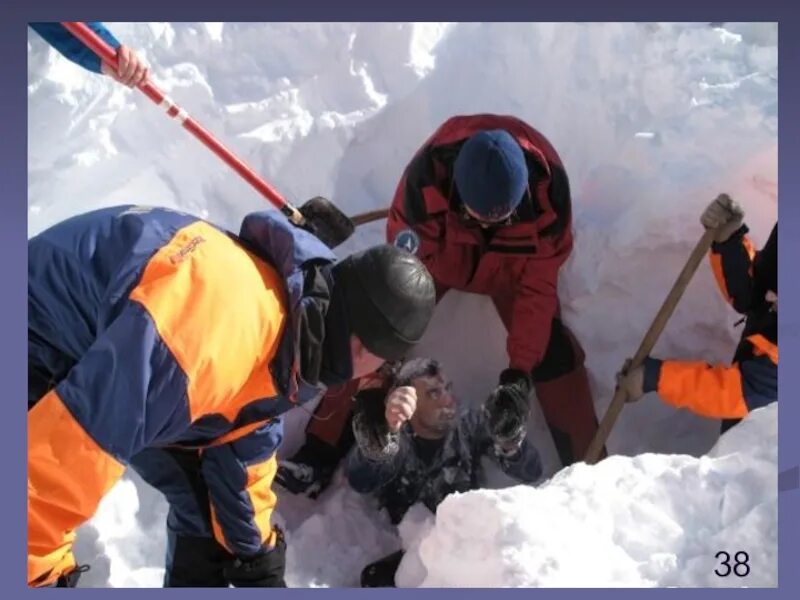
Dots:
pixel 517 265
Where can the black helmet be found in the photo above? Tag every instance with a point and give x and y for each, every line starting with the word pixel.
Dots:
pixel 389 297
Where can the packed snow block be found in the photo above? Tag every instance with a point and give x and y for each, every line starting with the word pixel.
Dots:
pixel 650 520
pixel 339 537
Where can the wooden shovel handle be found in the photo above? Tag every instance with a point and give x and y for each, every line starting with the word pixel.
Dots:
pixel 368 217
pixel 650 339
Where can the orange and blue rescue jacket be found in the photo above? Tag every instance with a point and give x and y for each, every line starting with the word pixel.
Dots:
pixel 721 391
pixel 161 330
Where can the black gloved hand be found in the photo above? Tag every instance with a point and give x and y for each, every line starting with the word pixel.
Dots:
pixel 370 429
pixel 266 569
pixel 507 410
pixel 311 468
pixel 304 479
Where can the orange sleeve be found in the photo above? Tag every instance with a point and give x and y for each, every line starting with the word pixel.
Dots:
pixel 707 390
pixel 732 265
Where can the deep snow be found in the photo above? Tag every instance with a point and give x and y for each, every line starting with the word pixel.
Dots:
pixel 652 121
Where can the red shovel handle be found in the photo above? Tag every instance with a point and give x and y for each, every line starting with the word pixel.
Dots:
pixel 108 54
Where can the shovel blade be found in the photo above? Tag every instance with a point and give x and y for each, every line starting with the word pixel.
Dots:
pixel 326 221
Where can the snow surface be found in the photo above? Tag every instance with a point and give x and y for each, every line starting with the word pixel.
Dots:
pixel 652 120
pixel 650 520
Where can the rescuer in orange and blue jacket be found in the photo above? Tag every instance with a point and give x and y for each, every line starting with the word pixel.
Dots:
pixel 749 281
pixel 160 341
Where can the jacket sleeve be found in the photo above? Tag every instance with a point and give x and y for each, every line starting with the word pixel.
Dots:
pixel 536 297
pixel 71 47
pixel 732 264
pixel 525 465
pixel 716 391
pixel 239 476
pixel 534 308
pixel 409 212
pixel 367 476
pixel 82 433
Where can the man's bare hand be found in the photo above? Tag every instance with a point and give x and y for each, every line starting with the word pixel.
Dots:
pixel 400 407
pixel 131 72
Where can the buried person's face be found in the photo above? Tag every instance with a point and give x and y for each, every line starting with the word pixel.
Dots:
pixel 436 407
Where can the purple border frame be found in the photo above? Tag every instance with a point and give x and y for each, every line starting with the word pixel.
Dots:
pixel 13 223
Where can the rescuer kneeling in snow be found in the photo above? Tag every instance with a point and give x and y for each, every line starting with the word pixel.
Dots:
pixel 413 446
pixel 749 281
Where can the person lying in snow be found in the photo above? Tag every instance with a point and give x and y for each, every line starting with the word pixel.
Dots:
pixel 485 204
pixel 159 341
pixel 414 447
pixel 749 281
pixel 131 70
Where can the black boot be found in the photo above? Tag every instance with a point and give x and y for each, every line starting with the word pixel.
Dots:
pixel 381 573
pixel 265 570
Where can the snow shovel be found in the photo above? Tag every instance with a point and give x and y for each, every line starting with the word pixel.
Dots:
pixel 368 217
pixel 318 215
pixel 650 339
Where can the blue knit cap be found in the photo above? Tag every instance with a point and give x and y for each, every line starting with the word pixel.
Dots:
pixel 490 174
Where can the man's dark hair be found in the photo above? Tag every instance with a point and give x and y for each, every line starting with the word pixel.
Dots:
pixel 415 368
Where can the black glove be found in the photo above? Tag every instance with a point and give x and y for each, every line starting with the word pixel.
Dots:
pixel 310 470
pixel 266 569
pixel 370 429
pixel 507 410
pixel 303 479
